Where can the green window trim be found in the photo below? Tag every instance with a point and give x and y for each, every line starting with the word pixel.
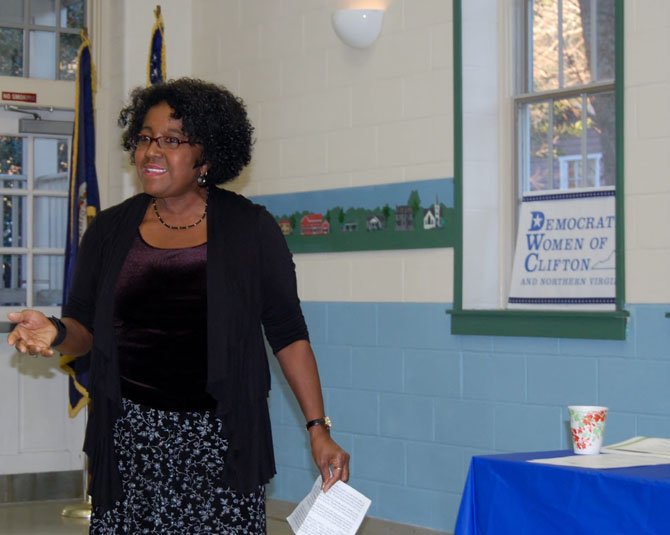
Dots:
pixel 610 325
pixel 558 324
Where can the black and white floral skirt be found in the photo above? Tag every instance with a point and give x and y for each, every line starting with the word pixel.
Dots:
pixel 170 464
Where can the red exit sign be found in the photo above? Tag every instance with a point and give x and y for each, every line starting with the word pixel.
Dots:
pixel 19 97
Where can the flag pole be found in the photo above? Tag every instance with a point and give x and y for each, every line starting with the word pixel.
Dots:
pixel 82 509
pixel 83 195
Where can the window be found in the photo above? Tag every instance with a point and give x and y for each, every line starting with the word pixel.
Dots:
pixel 40 38
pixel 34 177
pixel 565 102
pixel 573 175
pixel 538 105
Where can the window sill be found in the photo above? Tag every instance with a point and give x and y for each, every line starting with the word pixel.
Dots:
pixel 559 324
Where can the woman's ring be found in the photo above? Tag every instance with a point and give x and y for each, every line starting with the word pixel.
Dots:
pixel 337 468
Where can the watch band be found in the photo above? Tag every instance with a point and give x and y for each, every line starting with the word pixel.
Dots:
pixel 61 331
pixel 325 421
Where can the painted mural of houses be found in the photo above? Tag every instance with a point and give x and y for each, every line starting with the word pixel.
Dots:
pixel 314 225
pixel 375 222
pixel 350 226
pixel 404 220
pixel 286 227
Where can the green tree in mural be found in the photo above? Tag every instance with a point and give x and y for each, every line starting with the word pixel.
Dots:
pixel 414 203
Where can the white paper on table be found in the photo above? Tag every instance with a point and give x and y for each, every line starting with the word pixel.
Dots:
pixel 604 460
pixel 641 446
pixel 340 511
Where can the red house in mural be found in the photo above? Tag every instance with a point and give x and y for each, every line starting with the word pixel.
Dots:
pixel 314 225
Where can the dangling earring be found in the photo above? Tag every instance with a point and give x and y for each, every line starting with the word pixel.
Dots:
pixel 202 180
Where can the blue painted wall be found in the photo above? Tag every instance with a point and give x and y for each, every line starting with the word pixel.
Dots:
pixel 412 403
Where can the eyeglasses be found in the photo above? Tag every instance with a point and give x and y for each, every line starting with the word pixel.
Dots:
pixel 163 142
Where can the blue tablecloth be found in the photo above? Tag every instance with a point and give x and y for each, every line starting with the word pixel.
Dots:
pixel 505 494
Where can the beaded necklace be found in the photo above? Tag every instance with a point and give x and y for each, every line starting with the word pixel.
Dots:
pixel 178 227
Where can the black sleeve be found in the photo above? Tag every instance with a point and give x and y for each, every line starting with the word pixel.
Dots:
pixel 81 298
pixel 282 317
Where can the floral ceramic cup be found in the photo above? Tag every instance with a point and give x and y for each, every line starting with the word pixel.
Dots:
pixel 587 427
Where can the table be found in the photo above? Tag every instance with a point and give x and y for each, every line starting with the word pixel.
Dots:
pixel 505 494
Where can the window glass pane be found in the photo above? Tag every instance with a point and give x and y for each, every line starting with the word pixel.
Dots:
pixel 73 14
pixel 13 181
pixel 67 62
pixel 11 11
pixel 11 52
pixel 51 164
pixel 42 48
pixel 601 138
pixel 567 145
pixel 13 283
pixel 536 160
pixel 43 12
pixel 544 26
pixel 574 48
pixel 577 26
pixel 605 40
pixel 50 222
pixel 47 280
pixel 14 215
pixel 571 147
pixel 11 162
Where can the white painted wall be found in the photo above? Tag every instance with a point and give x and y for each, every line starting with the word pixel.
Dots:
pixel 126 29
pixel 647 156
pixel 484 177
pixel 329 116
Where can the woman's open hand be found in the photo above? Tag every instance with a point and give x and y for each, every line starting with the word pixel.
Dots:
pixel 33 333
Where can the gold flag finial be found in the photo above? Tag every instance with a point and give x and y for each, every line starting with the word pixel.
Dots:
pixel 157 11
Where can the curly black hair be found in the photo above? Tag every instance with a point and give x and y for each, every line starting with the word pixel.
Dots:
pixel 211 116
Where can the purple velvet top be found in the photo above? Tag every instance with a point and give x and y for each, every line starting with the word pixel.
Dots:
pixel 160 319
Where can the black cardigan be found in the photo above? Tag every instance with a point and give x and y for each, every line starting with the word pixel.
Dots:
pixel 251 286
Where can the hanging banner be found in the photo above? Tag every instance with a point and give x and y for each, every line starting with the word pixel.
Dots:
pixel 565 251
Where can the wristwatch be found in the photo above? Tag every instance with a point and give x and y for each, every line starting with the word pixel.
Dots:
pixel 61 331
pixel 325 421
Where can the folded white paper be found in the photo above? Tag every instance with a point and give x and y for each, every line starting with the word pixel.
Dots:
pixel 641 446
pixel 339 511
pixel 605 460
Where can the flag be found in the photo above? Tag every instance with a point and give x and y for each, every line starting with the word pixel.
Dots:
pixel 83 205
pixel 156 67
